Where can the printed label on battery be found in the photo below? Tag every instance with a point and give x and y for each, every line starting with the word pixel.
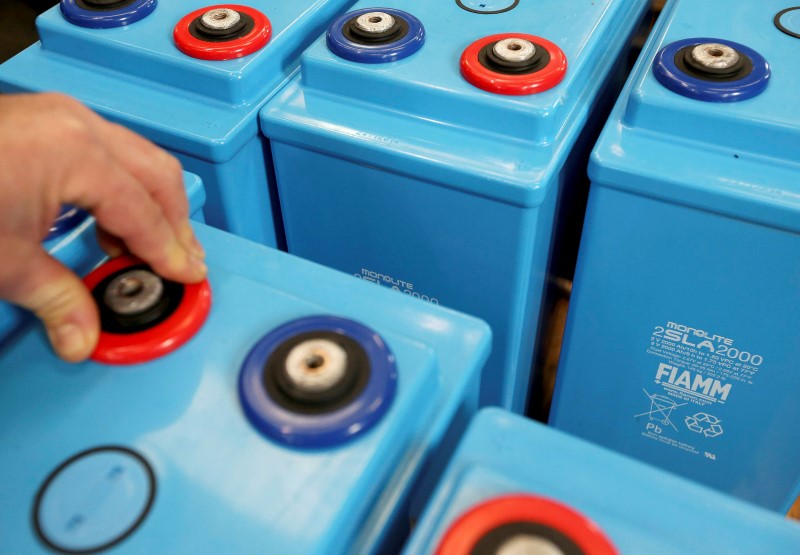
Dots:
pixel 695 374
pixel 399 285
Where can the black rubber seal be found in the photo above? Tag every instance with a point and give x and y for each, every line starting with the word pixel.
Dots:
pixel 352 33
pixel 489 60
pixel 688 65
pixel 243 28
pixel 781 27
pixel 103 5
pixel 112 322
pixel 151 478
pixel 493 541
pixel 472 10
pixel 289 396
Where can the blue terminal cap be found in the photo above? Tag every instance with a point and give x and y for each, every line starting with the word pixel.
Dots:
pixel 106 14
pixel 317 381
pixel 487 7
pixel 94 500
pixel 368 36
pixel 68 219
pixel 746 78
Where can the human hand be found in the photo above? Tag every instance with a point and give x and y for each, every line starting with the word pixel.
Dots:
pixel 55 151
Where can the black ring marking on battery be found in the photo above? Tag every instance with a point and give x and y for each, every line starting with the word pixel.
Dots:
pixel 491 542
pixel 286 393
pixel 490 60
pixel 472 10
pixel 243 28
pixel 352 33
pixel 781 27
pixel 112 322
pixel 103 5
pixel 688 65
pixel 151 479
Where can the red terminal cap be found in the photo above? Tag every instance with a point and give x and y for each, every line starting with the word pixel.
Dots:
pixel 520 84
pixel 195 47
pixel 472 526
pixel 162 338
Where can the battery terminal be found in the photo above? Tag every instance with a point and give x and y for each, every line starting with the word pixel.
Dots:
pixel 514 50
pixel 220 19
pixel 375 22
pixel 715 56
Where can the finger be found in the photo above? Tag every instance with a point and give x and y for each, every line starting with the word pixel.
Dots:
pixel 126 211
pixel 156 170
pixel 123 208
pixel 41 284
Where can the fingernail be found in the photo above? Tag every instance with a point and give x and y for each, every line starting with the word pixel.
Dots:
pixel 199 266
pixel 197 248
pixel 190 241
pixel 69 342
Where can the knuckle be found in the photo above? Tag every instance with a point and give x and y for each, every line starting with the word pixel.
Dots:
pixel 72 131
pixel 65 103
pixel 171 164
pixel 55 299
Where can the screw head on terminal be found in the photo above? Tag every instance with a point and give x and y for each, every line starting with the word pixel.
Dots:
pixel 715 56
pixel 220 19
pixel 375 22
pixel 133 292
pixel 524 544
pixel 316 365
pixel 514 50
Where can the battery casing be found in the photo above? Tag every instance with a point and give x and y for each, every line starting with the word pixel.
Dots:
pixel 680 347
pixel 204 111
pixel 404 174
pixel 639 508
pixel 219 484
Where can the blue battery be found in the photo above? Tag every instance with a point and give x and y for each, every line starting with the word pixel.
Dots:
pixel 191 76
pixel 515 484
pixel 680 347
pixel 71 241
pixel 297 419
pixel 408 160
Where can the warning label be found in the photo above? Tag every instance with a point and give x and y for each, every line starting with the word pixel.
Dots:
pixel 694 371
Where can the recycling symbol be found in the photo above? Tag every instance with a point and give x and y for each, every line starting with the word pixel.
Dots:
pixel 705 424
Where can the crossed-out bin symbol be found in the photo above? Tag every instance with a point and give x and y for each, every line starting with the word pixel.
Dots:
pixel 661 408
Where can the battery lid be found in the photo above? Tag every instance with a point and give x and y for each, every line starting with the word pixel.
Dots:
pixel 741 157
pixel 421 116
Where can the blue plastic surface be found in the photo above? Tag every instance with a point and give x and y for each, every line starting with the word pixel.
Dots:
pixel 788 21
pixel 204 112
pixel 488 7
pixel 676 80
pixel 404 47
pixel 333 428
pixel 94 500
pixel 72 242
pixel 107 19
pixel 641 509
pixel 223 487
pixel 681 346
pixel 405 175
pixel 68 219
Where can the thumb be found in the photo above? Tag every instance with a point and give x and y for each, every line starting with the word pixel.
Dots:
pixel 59 298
